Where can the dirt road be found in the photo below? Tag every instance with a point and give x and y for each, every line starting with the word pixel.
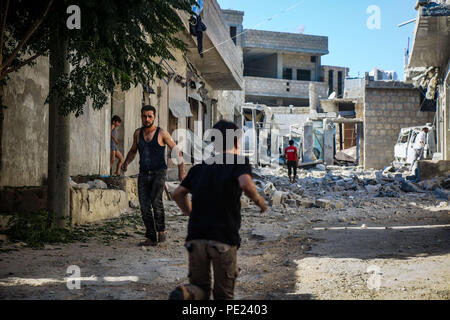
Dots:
pixel 286 253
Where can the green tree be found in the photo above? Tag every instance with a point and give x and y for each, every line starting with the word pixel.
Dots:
pixel 119 43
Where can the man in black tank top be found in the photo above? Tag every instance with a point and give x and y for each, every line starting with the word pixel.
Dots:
pixel 151 143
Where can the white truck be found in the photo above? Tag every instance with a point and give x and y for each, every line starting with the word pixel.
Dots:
pixel 403 150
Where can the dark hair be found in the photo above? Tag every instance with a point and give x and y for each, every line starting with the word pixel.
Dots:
pixel 223 126
pixel 148 108
pixel 291 142
pixel 116 118
pixel 425 129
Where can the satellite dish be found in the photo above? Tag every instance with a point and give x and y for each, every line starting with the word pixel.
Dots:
pixel 332 96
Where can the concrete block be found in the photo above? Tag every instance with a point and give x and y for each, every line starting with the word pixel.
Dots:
pixel 307 203
pixel 277 198
pixel 323 203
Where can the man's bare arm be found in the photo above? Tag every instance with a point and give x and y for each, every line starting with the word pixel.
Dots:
pixel 248 186
pixel 167 139
pixel 132 153
pixel 181 199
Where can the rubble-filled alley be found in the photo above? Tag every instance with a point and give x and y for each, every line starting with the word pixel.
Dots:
pixel 344 233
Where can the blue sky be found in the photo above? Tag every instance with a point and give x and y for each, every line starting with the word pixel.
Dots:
pixel 350 42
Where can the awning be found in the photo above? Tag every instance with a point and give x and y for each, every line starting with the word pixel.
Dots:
pixel 177 102
pixel 193 93
pixel 181 109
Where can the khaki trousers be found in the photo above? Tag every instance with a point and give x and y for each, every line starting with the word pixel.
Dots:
pixel 223 258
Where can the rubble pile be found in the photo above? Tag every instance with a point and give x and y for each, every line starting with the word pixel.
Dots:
pixel 336 186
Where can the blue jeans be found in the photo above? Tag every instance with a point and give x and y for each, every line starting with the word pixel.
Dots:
pixel 150 190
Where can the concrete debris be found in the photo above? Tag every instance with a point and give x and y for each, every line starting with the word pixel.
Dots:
pixel 134 204
pixel 446 183
pixel 82 186
pixel 307 203
pixel 407 186
pixel 340 187
pixel 278 197
pixel 321 167
pixel 442 194
pixel 269 189
pixel 429 185
pixel 266 233
pixel 346 155
pixel 323 203
pixel 338 205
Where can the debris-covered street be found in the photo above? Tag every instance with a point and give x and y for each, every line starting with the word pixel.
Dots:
pixel 224 150
pixel 363 229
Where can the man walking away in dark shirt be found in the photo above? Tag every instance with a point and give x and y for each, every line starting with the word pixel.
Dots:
pixel 215 219
pixel 291 156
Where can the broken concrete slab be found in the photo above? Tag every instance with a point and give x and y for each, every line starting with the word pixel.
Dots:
pixel 407 186
pixel 373 189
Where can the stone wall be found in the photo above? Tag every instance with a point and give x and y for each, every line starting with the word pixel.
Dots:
pixel 387 110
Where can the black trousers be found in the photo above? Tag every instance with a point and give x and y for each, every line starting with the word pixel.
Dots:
pixel 150 190
pixel 292 165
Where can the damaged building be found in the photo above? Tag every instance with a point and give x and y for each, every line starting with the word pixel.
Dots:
pixel 193 96
pixel 279 67
pixel 428 70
